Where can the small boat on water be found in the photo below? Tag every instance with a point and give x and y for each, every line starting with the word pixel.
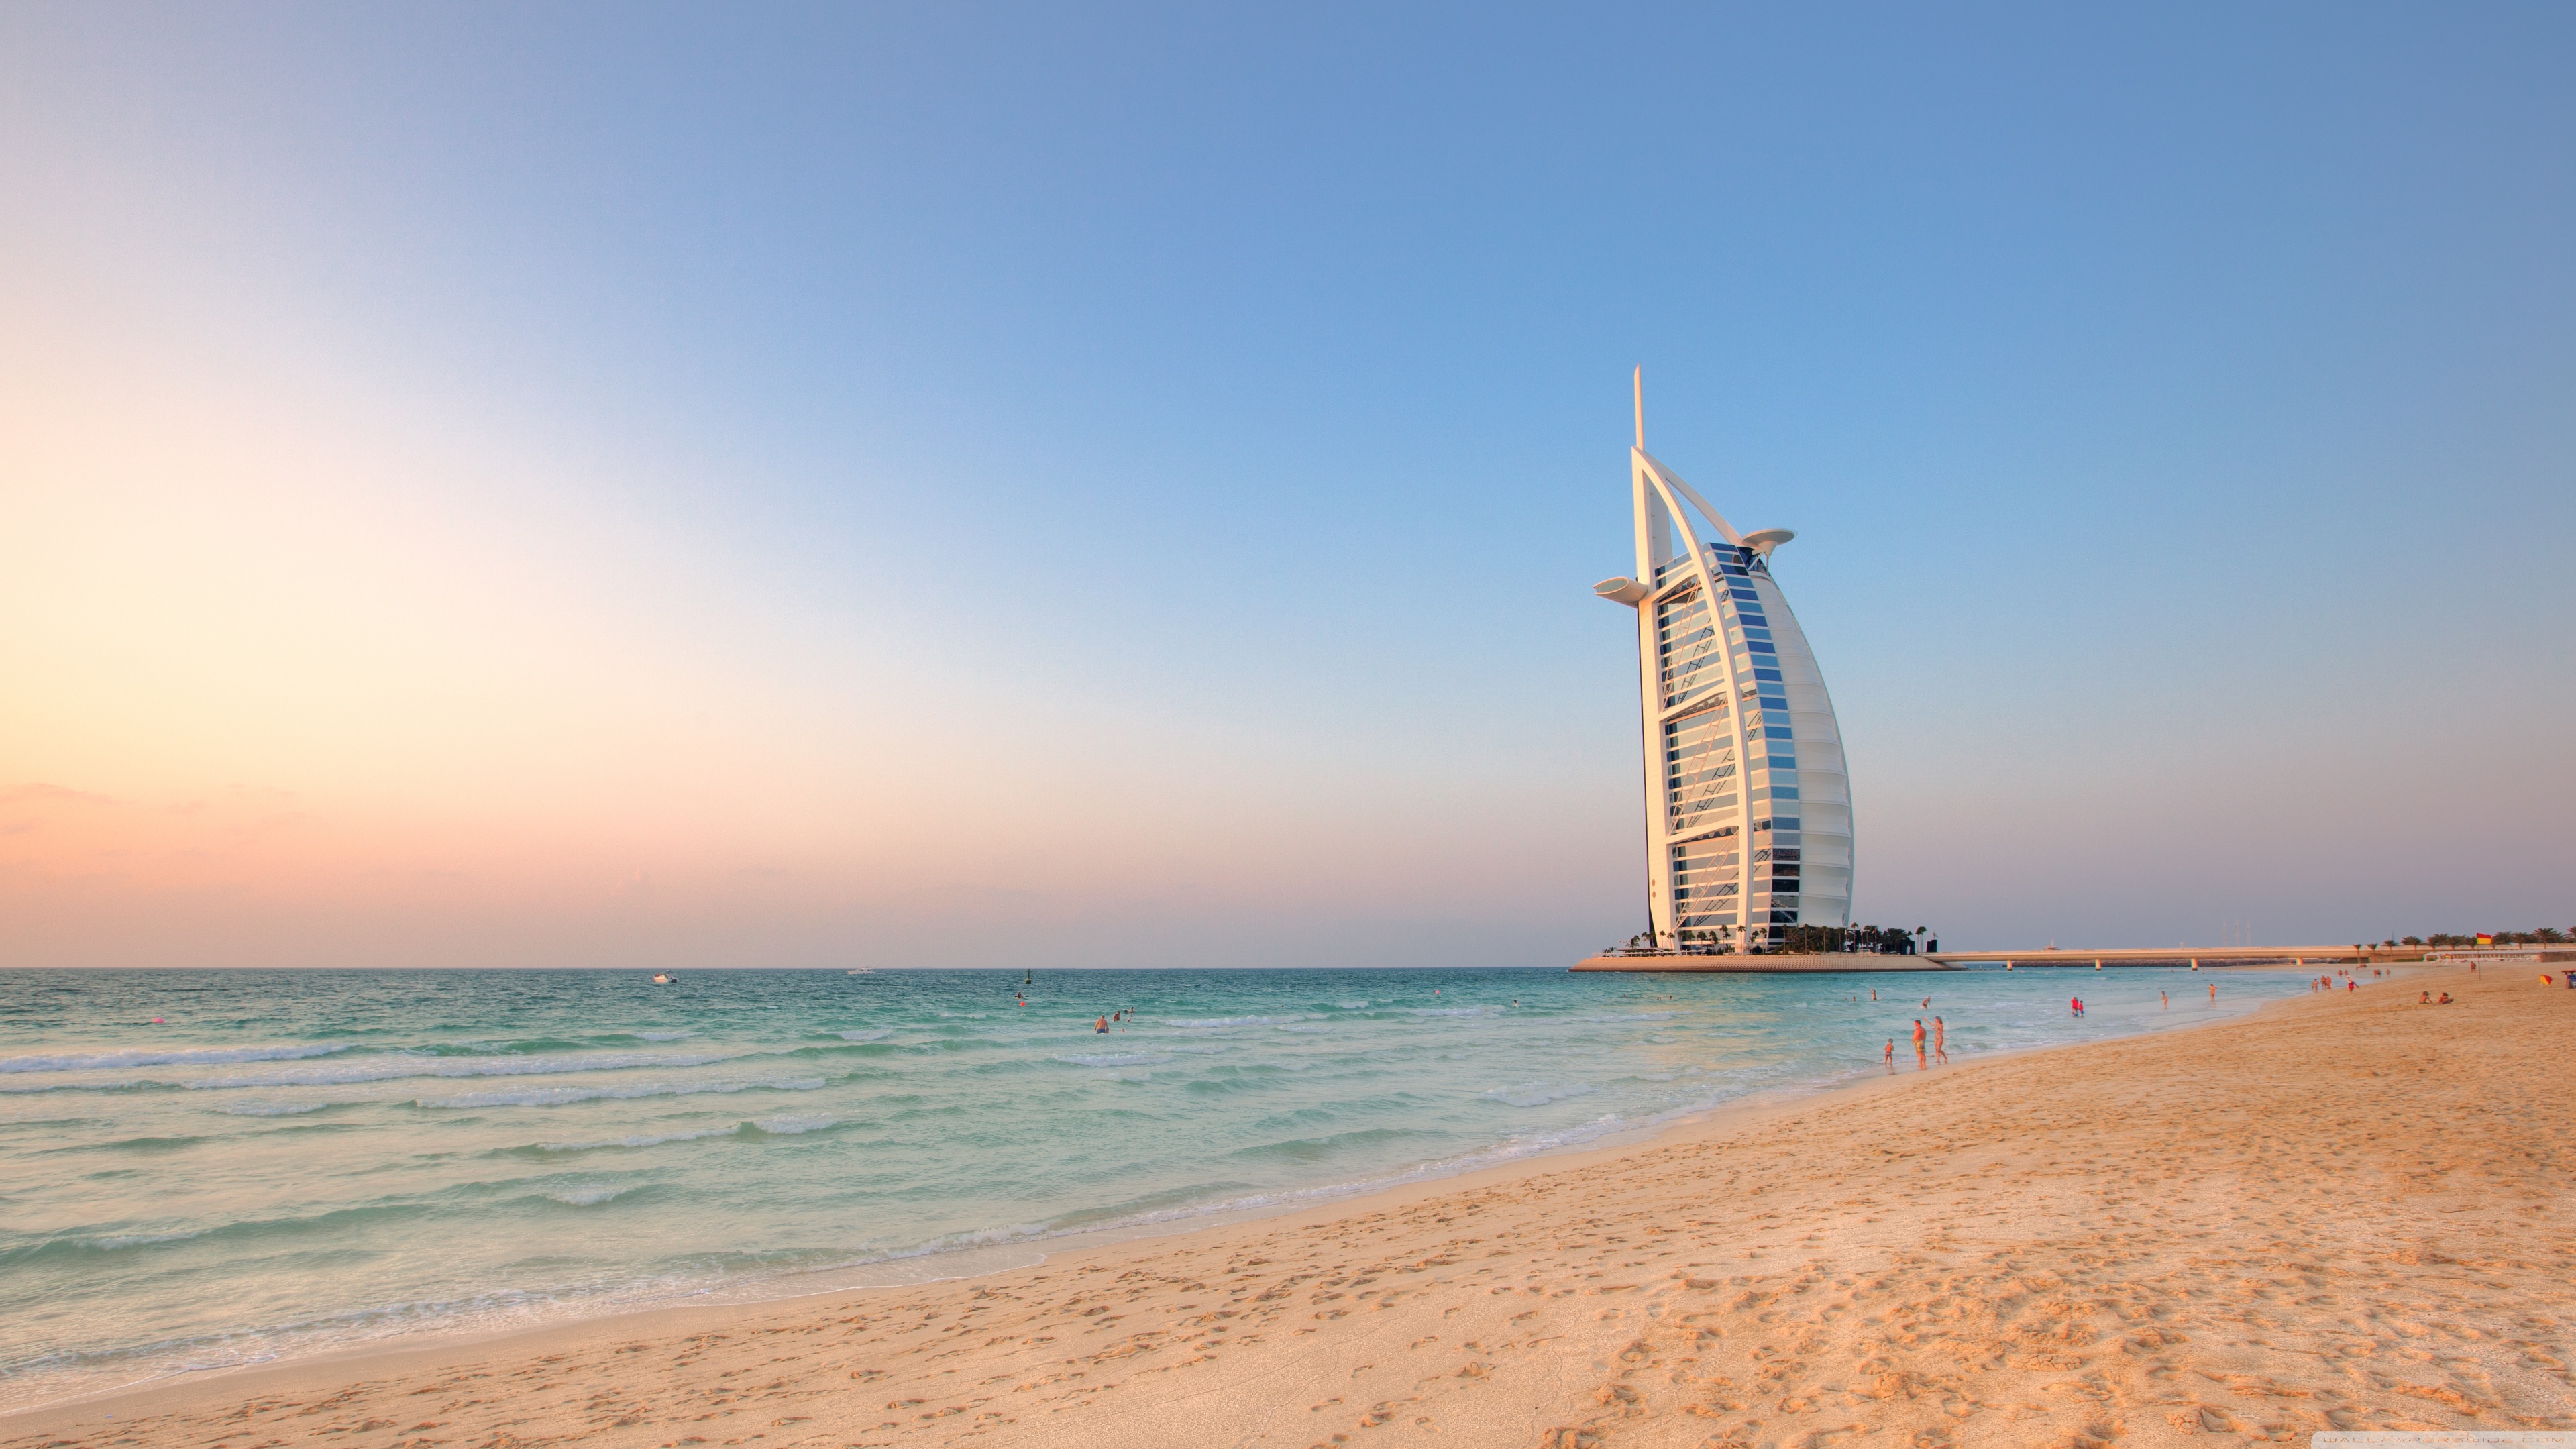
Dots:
pixel 663 978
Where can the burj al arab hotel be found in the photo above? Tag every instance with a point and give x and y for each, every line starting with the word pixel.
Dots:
pixel 1748 806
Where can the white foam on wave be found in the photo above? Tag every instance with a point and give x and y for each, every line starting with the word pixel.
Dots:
pixel 1129 1059
pixel 558 1096
pixel 114 1241
pixel 269 1109
pixel 1308 1030
pixel 639 1139
pixel 1450 1010
pixel 789 1126
pixel 664 1035
pixel 1200 1048
pixel 167 1057
pixel 878 1033
pixel 586 1196
pixel 1536 1094
pixel 1634 1016
pixel 1208 1021
pixel 389 1069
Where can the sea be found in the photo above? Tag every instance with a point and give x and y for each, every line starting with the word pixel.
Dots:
pixel 201 1170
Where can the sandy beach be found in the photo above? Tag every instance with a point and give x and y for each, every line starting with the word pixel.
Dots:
pixel 2342 1212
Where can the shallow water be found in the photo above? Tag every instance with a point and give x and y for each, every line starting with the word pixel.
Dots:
pixel 295 1162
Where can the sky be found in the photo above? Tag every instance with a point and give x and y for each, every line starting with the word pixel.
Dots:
pixel 677 486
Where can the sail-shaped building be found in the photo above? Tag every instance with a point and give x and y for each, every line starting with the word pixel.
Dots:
pixel 1748 806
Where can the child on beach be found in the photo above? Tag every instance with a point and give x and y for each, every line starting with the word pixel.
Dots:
pixel 1890 1055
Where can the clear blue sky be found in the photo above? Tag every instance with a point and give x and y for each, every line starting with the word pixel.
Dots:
pixel 644 483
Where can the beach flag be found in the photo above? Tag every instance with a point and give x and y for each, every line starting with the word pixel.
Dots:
pixel 2486 938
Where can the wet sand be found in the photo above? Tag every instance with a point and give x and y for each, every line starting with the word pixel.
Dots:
pixel 2342 1212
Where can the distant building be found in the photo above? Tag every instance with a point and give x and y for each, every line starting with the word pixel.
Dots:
pixel 1748 822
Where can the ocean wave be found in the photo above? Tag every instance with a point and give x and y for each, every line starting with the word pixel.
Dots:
pixel 1536 1094
pixel 1315 1149
pixel 591 1196
pixel 269 1109
pixel 41 1085
pixel 559 1096
pixel 664 1035
pixel 874 1033
pixel 391 1069
pixel 1352 1005
pixel 639 1139
pixel 1634 1016
pixel 791 1125
pixel 113 1241
pixel 1130 1059
pixel 1308 1030
pixel 167 1057
pixel 1450 1010
pixel 1208 1021
pixel 131 1144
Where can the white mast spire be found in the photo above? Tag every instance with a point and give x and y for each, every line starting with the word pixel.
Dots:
pixel 1640 381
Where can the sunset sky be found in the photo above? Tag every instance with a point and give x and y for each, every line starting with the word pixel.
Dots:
pixel 950 485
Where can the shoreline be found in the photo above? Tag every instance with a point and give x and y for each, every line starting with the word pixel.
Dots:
pixel 1076 1251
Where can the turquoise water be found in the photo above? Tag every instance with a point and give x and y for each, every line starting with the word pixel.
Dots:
pixel 294 1162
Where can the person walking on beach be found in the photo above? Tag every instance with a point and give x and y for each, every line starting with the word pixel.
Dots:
pixel 1940 1044
pixel 1918 1043
pixel 2213 993
pixel 2167 1000
pixel 1890 1057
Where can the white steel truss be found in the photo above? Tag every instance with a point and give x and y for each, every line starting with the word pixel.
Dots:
pixel 1748 819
